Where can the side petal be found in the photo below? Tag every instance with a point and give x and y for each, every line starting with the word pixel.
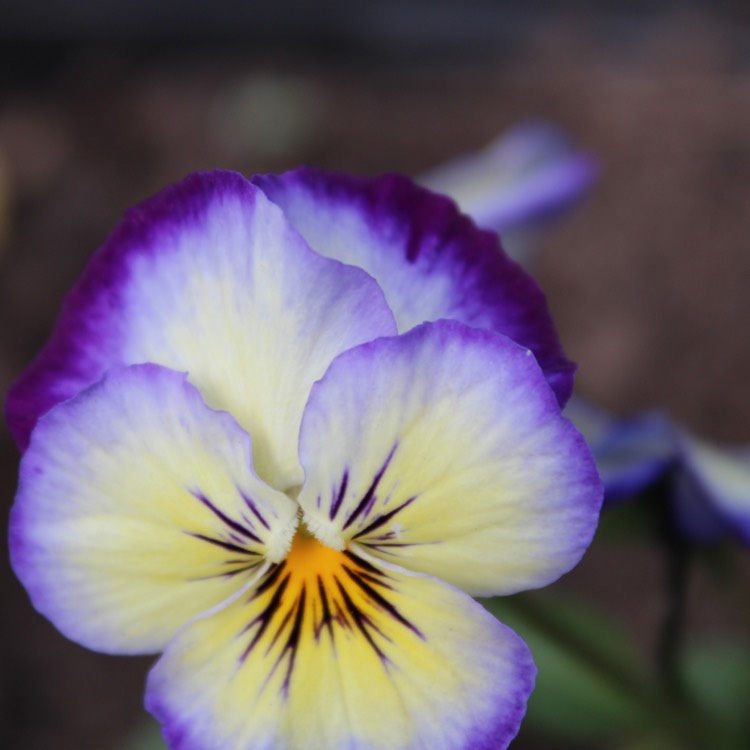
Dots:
pixel 138 508
pixel 331 651
pixel 208 277
pixel 444 450
pixel 430 260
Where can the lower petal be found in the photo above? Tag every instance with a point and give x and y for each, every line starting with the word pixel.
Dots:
pixel 333 651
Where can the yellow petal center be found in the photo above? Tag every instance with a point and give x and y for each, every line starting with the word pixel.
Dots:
pixel 309 558
pixel 320 597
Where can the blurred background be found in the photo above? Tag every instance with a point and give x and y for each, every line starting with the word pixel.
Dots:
pixel 104 103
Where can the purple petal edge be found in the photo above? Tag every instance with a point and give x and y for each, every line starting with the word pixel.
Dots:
pixel 499 735
pixel 69 362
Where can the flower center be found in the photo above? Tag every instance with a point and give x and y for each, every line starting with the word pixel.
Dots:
pixel 319 597
pixel 309 558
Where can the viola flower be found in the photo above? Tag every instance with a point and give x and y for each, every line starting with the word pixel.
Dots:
pixel 245 448
pixel 707 487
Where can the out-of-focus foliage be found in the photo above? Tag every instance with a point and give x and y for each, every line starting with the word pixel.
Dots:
pixel 591 684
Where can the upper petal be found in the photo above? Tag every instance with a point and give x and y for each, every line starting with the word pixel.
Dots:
pixel 331 652
pixel 430 260
pixel 444 449
pixel 208 277
pixel 137 509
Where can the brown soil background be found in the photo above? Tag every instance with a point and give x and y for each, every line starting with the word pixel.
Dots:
pixel 649 280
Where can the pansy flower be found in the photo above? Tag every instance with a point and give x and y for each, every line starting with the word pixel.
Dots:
pixel 283 432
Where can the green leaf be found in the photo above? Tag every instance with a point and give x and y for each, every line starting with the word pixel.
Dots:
pixel 591 686
pixel 637 519
pixel 718 678
pixel 652 743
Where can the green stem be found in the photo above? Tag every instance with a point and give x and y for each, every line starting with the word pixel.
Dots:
pixel 671 633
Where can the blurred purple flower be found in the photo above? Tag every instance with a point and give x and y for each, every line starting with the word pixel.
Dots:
pixel 708 487
pixel 528 176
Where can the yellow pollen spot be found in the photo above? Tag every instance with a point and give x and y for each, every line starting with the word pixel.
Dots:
pixel 308 558
pixel 320 602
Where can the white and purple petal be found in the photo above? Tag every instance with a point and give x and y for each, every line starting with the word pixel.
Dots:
pixel 330 650
pixel 137 509
pixel 444 450
pixel 208 277
pixel 431 261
